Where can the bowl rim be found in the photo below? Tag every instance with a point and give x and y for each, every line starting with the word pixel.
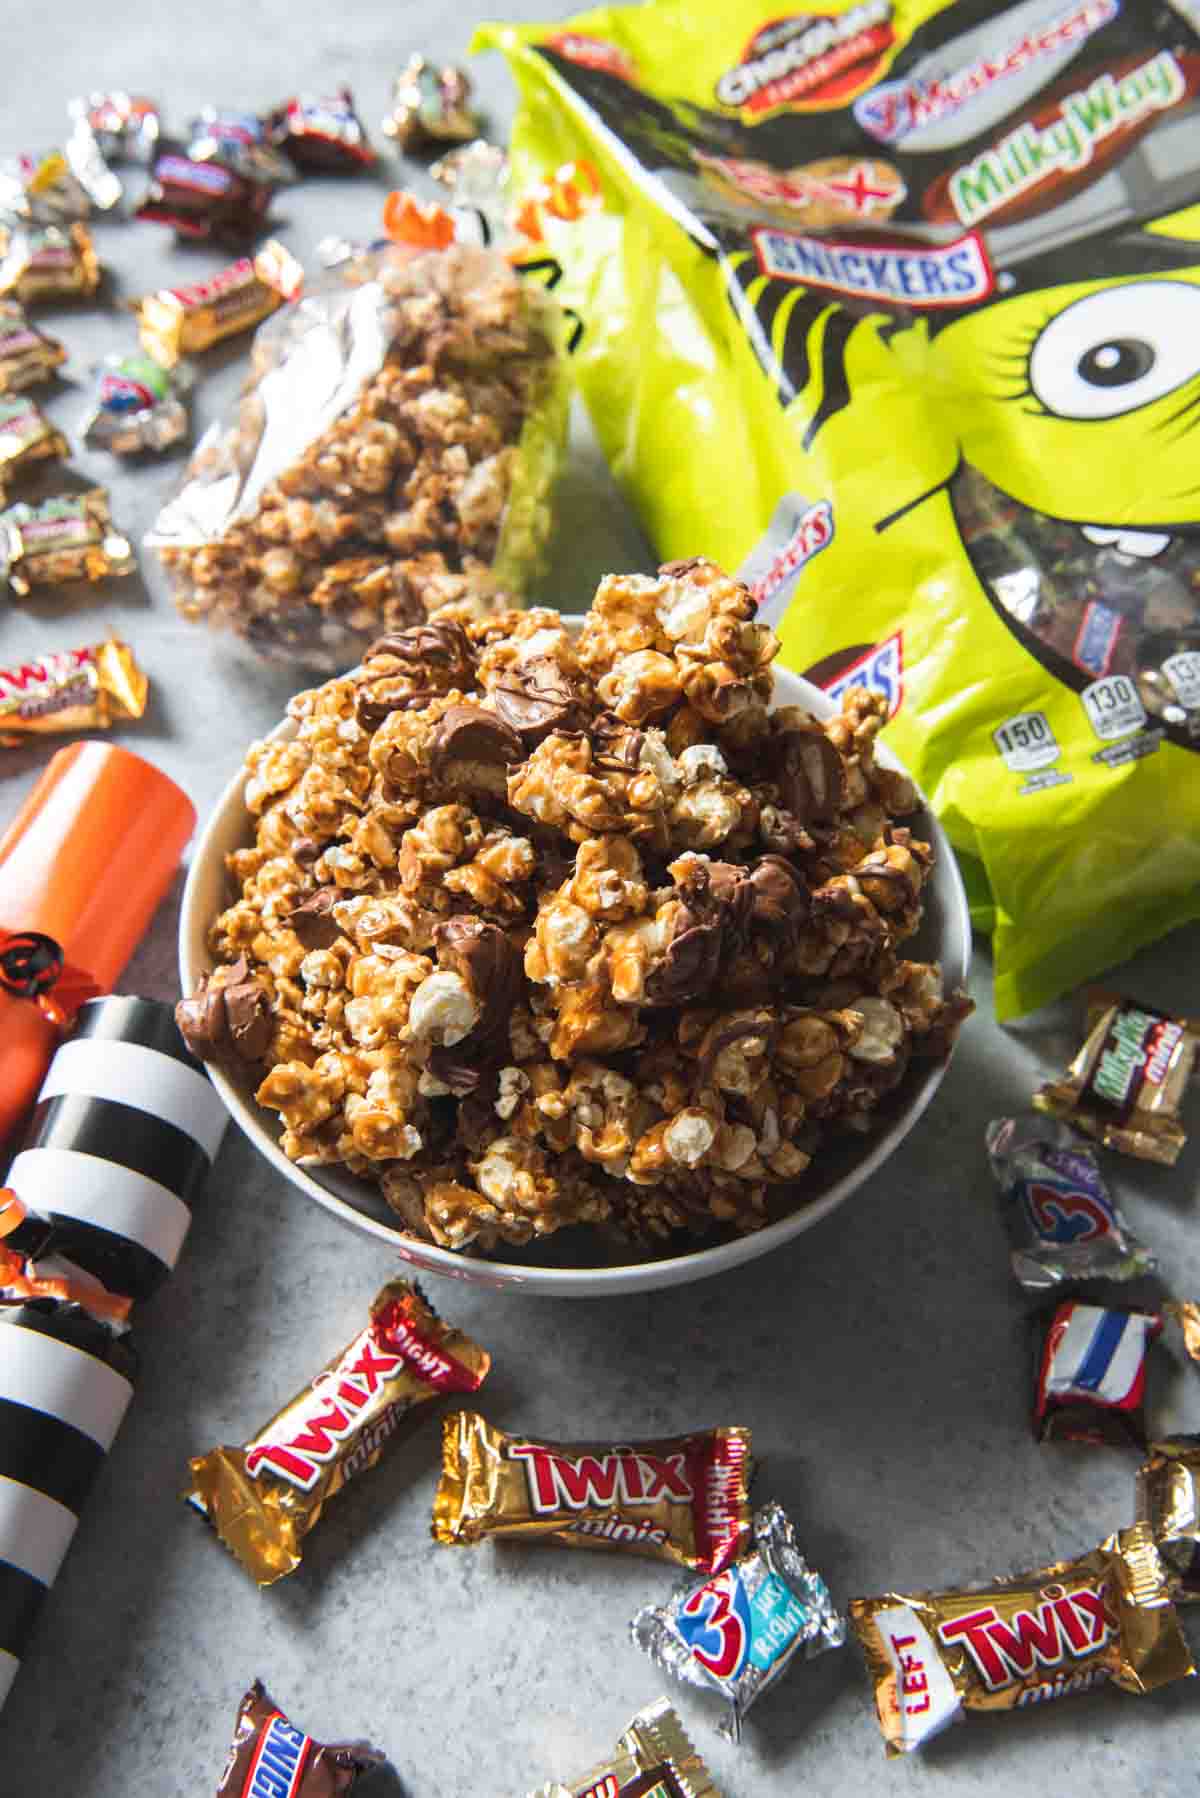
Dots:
pixel 583 1281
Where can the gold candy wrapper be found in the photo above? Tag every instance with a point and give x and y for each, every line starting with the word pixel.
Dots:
pixel 26 438
pixel 653 1759
pixel 67 538
pixel 27 355
pixel 1126 1085
pixel 263 1498
pixel 683 1499
pixel 1105 1616
pixel 1168 1500
pixel 79 689
pixel 177 320
pixel 47 262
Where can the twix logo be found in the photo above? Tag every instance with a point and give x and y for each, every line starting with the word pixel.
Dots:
pixel 16 681
pixel 624 1476
pixel 313 1429
pixel 1066 1624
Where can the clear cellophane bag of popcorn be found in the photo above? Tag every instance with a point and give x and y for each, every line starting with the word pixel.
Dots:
pixel 392 455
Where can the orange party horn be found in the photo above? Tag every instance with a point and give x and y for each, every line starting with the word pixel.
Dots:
pixel 83 867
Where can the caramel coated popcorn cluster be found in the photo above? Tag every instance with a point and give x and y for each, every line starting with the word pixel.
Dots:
pixel 541 930
pixel 397 508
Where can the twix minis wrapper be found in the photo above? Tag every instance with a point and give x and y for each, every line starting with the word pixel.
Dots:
pixel 653 1759
pixel 1126 1085
pixel 1168 1501
pixel 75 689
pixel 177 320
pixel 681 1498
pixel 263 1498
pixel 1106 1616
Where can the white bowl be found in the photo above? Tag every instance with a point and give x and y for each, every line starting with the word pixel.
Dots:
pixel 841 1166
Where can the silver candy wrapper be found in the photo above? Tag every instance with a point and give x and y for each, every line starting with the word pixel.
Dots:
pixel 737 1632
pixel 126 127
pixel 139 405
pixel 1063 1224
pixel 83 152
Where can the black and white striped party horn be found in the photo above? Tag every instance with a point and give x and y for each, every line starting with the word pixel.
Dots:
pixel 126 1128
pixel 65 1385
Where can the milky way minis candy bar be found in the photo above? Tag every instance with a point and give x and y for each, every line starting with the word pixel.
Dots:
pixel 679 1498
pixel 263 1498
pixel 1126 1085
pixel 1104 1617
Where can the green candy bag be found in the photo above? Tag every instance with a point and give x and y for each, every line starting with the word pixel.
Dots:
pixel 895 308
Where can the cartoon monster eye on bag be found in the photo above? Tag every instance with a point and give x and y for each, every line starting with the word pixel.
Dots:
pixel 895 308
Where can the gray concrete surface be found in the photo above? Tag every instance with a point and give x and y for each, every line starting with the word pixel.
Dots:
pixel 881 1361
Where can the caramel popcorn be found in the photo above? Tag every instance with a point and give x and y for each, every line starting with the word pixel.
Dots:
pixel 541 930
pixel 376 471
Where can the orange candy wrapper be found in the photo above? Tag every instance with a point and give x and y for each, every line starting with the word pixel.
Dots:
pixel 263 1498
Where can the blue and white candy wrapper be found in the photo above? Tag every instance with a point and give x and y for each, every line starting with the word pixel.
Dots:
pixel 738 1631
pixel 1063 1225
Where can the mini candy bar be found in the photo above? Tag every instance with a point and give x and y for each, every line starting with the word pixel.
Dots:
pixel 91 171
pixel 238 140
pixel 126 126
pixel 934 1656
pixel 652 1759
pixel 264 1497
pixel 27 356
pixel 46 262
pixel 203 199
pixel 1091 1380
pixel 66 1379
pixel 26 438
pixel 270 1758
pixel 1168 1501
pixel 680 1499
pixel 431 104
pixel 740 1630
pixel 66 538
pixel 42 189
pixel 322 132
pixel 1126 1085
pixel 176 320
pixel 1061 1220
pixel 125 1130
pixel 139 406
pixel 74 689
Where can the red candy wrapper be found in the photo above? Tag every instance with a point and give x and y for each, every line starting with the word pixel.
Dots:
pixel 1091 1381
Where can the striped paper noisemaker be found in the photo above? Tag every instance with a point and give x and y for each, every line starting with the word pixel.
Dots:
pixel 124 1132
pixel 65 1385
pixel 125 1129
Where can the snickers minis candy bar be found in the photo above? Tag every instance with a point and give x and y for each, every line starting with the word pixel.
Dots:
pixel 681 1498
pixel 263 1498
pixel 270 1757
pixel 1102 1617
